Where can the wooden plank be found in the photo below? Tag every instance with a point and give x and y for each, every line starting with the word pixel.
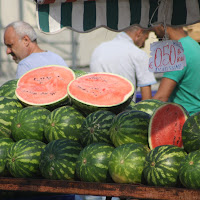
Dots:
pixel 99 189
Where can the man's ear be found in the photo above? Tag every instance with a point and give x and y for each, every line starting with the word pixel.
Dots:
pixel 139 32
pixel 26 40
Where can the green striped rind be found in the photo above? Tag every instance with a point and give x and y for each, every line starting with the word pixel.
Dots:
pixel 131 106
pixel 189 173
pixel 65 102
pixel 127 162
pixel 88 109
pixel 8 89
pixel 148 105
pixel 8 108
pixel 95 128
pixel 5 144
pixel 79 72
pixel 162 165
pixel 58 160
pixel 24 158
pixel 130 127
pixel 92 163
pixel 28 123
pixel 191 133
pixel 63 122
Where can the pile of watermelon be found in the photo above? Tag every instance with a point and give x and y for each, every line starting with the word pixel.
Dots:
pixel 59 125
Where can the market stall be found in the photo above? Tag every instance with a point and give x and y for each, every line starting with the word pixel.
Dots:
pixel 116 15
pixel 84 16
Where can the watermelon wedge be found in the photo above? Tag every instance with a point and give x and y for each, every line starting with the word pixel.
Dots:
pixel 166 123
pixel 45 85
pixel 106 91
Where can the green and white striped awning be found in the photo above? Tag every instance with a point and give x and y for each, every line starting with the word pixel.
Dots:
pixel 116 15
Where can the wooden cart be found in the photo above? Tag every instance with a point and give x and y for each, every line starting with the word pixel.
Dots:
pixel 98 189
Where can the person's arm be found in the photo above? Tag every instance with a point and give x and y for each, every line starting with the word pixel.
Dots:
pixel 146 92
pixel 165 89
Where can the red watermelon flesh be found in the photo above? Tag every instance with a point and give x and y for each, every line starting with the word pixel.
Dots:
pixel 165 127
pixel 44 85
pixel 101 89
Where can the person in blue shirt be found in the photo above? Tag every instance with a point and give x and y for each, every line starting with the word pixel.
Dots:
pixel 21 41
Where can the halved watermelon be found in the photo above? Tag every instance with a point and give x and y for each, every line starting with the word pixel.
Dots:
pixel 96 91
pixel 45 85
pixel 166 123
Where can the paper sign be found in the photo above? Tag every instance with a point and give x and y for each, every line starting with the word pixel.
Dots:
pixel 166 56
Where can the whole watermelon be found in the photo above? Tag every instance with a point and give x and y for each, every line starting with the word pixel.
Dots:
pixel 131 106
pixel 148 105
pixel 162 165
pixel 63 122
pixel 189 173
pixel 65 102
pixel 8 88
pixel 92 163
pixel 130 127
pixel 24 158
pixel 191 133
pixel 29 122
pixel 9 107
pixel 95 128
pixel 58 160
pixel 5 144
pixel 127 162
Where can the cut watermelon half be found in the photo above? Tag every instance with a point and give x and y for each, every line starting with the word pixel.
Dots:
pixel 165 127
pixel 45 85
pixel 96 91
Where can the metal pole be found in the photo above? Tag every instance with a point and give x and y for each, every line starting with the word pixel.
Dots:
pixel 73 54
pixel 21 10
pixel 1 43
